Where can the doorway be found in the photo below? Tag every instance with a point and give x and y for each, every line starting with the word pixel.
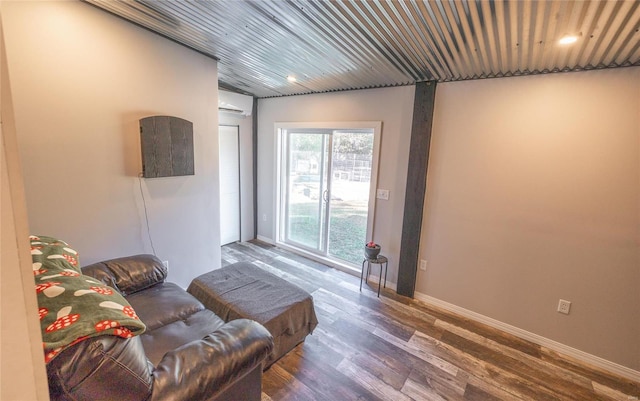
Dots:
pixel 229 164
pixel 326 184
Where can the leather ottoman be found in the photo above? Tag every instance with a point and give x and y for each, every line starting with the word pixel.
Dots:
pixel 244 291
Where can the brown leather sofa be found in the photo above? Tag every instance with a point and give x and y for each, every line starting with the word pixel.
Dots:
pixel 186 352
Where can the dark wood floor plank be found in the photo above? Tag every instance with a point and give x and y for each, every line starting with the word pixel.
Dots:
pixel 549 382
pixel 364 314
pixel 482 329
pixel 597 375
pixel 324 379
pixel 397 348
pixel 513 372
pixel 389 370
pixel 474 393
pixel 421 353
pixel 374 385
pixel 377 358
pixel 426 391
pixel 435 383
pixel 527 362
pixel 282 385
pixel 494 376
pixel 315 350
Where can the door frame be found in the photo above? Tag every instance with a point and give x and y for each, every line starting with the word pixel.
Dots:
pixel 376 126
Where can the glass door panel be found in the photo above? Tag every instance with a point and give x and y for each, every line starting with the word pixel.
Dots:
pixel 350 180
pixel 306 191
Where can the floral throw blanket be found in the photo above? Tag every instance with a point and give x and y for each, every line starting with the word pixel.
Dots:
pixel 72 306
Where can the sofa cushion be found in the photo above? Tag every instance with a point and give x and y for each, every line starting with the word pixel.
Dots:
pixel 180 332
pixel 164 303
pixel 129 274
pixel 173 318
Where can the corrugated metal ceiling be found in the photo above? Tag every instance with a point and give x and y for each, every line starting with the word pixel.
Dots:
pixel 347 44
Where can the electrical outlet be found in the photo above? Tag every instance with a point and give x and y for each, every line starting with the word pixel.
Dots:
pixel 423 265
pixel 382 194
pixel 165 263
pixel 264 217
pixel 564 306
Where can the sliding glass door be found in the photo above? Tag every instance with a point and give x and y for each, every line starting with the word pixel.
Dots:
pixel 325 190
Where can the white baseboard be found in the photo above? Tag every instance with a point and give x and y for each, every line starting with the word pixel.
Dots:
pixel 265 239
pixel 534 338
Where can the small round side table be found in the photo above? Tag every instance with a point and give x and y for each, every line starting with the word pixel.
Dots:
pixel 379 260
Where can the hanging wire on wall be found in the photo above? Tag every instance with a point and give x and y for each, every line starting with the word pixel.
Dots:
pixel 146 215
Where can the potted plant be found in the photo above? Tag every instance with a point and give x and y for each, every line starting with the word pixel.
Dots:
pixel 371 250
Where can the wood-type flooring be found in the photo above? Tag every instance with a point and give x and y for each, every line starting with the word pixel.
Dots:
pixel 397 348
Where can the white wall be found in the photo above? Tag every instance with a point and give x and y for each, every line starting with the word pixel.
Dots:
pixel 82 79
pixel 534 195
pixel 22 372
pixel 392 106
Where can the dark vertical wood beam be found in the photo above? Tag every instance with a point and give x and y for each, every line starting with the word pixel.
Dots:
pixel 423 105
pixel 254 142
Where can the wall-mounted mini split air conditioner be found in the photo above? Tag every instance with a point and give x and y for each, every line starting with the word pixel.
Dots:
pixel 235 103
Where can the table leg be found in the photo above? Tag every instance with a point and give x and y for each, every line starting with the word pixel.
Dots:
pixel 366 277
pixel 362 274
pixel 380 280
pixel 386 267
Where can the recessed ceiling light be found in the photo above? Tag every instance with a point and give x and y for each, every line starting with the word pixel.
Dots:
pixel 291 78
pixel 567 40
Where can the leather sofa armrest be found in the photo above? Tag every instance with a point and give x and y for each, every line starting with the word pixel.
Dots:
pixel 128 274
pixel 98 366
pixel 202 369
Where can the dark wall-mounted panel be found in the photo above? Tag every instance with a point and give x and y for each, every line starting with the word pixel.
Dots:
pixel 167 146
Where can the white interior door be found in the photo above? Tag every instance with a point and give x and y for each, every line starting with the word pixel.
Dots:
pixel 229 184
